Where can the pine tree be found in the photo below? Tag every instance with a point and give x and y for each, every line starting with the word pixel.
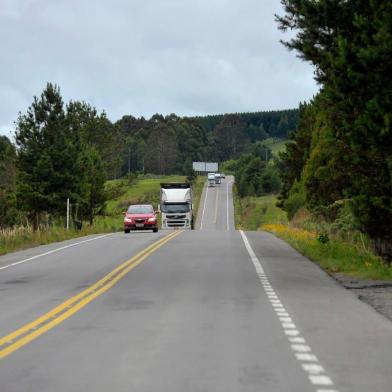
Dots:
pixel 349 44
pixel 94 177
pixel 47 157
pixel 8 211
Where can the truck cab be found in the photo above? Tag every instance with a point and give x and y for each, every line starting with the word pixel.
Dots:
pixel 176 206
pixel 211 179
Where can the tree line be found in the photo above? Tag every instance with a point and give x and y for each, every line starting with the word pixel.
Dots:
pixel 258 125
pixel 339 163
pixel 68 150
pixel 169 144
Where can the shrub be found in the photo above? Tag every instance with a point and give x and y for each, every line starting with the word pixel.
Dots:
pixel 295 200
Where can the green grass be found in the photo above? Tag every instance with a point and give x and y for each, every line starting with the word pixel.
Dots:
pixel 252 212
pixel 142 190
pixel 334 256
pixel 337 255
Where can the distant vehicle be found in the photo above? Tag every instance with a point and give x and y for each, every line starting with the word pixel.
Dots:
pixel 217 178
pixel 176 205
pixel 140 217
pixel 222 175
pixel 211 179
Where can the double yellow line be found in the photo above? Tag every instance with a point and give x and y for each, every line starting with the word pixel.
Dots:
pixel 31 331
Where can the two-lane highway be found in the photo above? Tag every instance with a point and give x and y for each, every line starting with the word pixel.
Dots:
pixel 206 310
pixel 216 208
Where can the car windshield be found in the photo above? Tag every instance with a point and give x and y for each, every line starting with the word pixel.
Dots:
pixel 140 210
pixel 175 208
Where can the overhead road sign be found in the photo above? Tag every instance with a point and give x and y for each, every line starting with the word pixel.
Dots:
pixel 205 167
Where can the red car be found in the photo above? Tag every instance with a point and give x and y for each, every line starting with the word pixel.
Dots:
pixel 140 217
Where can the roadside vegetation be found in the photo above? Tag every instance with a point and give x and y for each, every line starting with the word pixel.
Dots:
pixel 334 254
pixel 253 212
pixel 338 165
pixel 23 237
pixel 336 169
pixel 336 250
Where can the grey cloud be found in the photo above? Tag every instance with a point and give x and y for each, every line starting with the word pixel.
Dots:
pixel 142 57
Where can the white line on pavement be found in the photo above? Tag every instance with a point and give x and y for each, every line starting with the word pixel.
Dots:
pixel 53 251
pixel 204 209
pixel 302 351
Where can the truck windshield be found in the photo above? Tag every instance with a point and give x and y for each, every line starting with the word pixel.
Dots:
pixel 175 208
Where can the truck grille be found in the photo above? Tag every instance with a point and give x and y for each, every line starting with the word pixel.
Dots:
pixel 176 216
pixel 176 224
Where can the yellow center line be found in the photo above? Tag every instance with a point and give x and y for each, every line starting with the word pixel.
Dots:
pixel 31 331
pixel 216 206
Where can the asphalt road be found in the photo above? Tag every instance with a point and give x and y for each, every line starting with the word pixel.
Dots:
pixel 216 209
pixel 211 310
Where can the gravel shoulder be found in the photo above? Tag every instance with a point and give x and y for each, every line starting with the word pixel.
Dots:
pixel 376 293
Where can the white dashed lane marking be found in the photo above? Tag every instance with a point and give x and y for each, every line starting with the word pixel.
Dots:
pixel 303 352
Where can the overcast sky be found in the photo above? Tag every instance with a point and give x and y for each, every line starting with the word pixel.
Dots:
pixel 141 57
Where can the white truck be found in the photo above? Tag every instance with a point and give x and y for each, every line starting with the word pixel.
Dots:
pixel 176 205
pixel 211 179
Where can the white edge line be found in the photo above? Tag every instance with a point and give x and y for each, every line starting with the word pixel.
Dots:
pixel 204 208
pixel 53 251
pixel 252 255
pixel 302 351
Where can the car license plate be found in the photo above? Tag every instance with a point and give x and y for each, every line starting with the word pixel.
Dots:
pixel 139 224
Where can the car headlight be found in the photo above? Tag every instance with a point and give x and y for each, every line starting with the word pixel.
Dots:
pixel 128 220
pixel 152 219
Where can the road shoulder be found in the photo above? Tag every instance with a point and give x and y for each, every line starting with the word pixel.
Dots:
pixel 337 326
pixel 376 293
